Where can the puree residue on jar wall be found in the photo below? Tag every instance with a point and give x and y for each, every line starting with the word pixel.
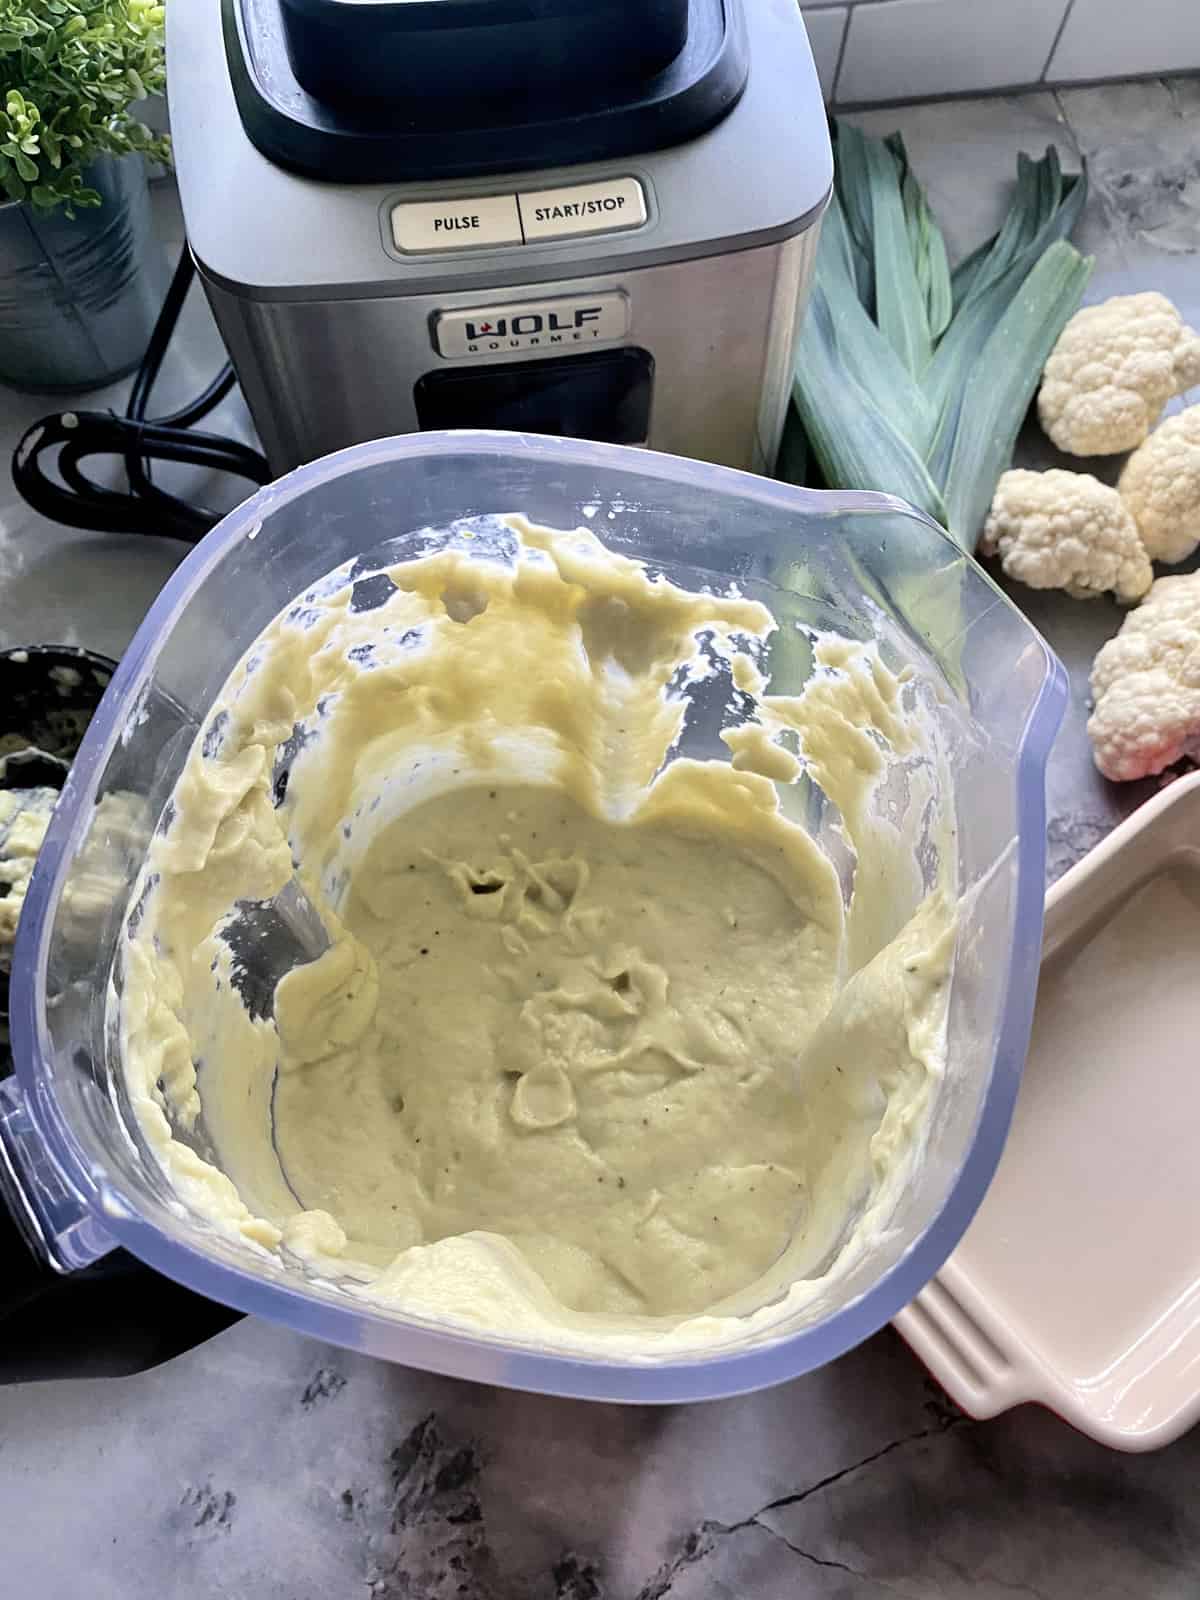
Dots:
pixel 599 1054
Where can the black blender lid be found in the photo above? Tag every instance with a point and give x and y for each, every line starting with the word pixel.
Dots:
pixel 481 47
pixel 423 90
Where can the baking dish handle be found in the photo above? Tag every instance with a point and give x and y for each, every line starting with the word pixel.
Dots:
pixel 967 1348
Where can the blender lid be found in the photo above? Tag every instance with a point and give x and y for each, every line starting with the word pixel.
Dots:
pixel 406 90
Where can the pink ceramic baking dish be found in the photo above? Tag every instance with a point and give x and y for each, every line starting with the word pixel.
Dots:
pixel 1078 1283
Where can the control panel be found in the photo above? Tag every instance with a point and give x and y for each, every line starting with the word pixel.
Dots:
pixel 474 222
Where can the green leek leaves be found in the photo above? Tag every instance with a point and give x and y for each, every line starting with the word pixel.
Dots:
pixel 914 379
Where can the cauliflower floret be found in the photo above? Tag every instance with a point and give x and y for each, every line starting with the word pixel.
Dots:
pixel 1146 685
pixel 1114 368
pixel 1066 530
pixel 1160 485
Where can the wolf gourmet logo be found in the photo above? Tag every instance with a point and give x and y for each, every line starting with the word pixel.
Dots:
pixel 575 325
pixel 533 325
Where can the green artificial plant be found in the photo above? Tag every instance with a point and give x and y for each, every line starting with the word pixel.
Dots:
pixel 70 74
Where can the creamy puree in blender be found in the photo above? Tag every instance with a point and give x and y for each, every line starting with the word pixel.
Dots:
pixel 599 1055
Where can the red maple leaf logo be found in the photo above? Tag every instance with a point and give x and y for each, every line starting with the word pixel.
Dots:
pixel 485 327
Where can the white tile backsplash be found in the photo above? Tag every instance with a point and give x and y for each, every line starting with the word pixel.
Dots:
pixel 1117 39
pixel 907 49
pixel 826 30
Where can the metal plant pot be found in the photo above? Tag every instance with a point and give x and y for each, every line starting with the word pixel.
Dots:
pixel 79 295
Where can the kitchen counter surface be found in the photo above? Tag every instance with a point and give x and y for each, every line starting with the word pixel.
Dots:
pixel 262 1465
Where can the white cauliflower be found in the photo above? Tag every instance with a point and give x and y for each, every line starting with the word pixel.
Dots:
pixel 1160 485
pixel 1146 685
pixel 1066 530
pixel 1112 371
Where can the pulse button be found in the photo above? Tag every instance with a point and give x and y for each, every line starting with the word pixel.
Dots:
pixel 471 224
pixel 608 206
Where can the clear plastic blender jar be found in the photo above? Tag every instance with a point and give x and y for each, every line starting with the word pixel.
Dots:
pixel 73 1163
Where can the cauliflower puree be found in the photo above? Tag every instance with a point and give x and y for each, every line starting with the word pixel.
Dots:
pixel 602 1053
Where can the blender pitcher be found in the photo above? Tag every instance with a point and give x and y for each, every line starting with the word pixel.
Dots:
pixel 74 1168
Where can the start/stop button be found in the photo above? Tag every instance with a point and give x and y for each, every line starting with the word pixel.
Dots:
pixel 601 207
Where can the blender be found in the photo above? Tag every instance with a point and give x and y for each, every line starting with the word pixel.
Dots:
pixel 73 1164
pixel 595 218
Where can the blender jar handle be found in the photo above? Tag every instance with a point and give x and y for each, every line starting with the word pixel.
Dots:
pixel 134 1319
pixel 55 1231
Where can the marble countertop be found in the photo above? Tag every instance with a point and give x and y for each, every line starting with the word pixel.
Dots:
pixel 263 1465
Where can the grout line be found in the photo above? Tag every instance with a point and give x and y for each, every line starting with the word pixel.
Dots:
pixel 1006 88
pixel 837 70
pixel 1057 36
pixel 851 5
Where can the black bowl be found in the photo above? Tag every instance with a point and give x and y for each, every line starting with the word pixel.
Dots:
pixel 48 695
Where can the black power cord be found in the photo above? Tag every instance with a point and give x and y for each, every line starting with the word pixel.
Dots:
pixel 79 501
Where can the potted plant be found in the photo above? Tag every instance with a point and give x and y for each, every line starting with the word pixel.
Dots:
pixel 81 276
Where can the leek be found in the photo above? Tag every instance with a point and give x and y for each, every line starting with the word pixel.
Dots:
pixel 915 379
